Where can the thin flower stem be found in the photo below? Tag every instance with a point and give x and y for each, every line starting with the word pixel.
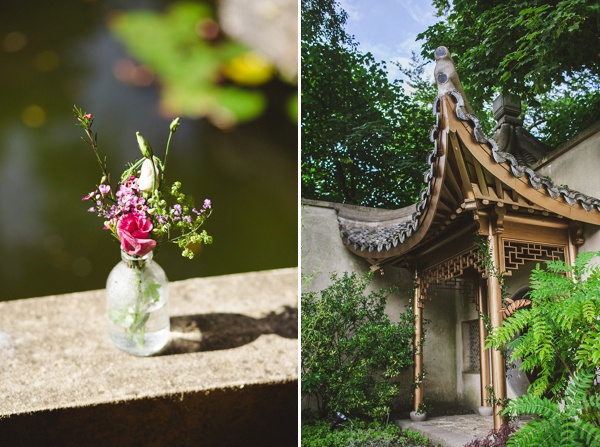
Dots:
pixel 154 180
pixel 162 174
pixel 93 143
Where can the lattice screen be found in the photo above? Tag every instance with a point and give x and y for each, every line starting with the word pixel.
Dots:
pixel 516 253
pixel 450 270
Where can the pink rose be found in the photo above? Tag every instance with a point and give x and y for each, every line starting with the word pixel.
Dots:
pixel 133 230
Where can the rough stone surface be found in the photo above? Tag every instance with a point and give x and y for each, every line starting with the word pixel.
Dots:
pixel 58 364
pixel 451 431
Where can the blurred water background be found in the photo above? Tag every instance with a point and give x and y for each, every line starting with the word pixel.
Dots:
pixel 238 149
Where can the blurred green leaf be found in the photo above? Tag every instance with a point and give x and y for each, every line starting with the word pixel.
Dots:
pixel 189 65
pixel 292 107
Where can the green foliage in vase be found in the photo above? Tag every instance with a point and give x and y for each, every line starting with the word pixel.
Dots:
pixel 545 51
pixel 558 336
pixel 138 214
pixel 362 134
pixel 351 352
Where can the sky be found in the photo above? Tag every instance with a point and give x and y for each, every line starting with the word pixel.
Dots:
pixel 388 28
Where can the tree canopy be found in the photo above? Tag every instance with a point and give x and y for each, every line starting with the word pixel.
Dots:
pixel 364 139
pixel 545 51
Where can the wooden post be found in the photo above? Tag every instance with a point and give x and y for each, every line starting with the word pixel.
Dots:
pixel 483 353
pixel 495 303
pixel 418 368
pixel 572 249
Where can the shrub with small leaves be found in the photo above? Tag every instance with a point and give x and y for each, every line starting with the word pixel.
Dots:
pixel 360 434
pixel 351 351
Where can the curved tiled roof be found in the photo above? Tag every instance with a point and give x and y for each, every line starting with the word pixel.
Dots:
pixel 570 196
pixel 387 237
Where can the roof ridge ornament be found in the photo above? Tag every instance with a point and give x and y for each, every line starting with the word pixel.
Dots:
pixel 446 76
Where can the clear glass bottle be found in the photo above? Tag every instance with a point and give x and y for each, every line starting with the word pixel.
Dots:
pixel 137 304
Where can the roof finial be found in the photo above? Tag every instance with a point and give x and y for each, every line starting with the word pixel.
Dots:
pixel 446 76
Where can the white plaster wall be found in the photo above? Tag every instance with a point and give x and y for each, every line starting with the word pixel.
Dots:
pixel 578 168
pixel 439 351
pixel 323 253
pixel 468 388
pixel 471 395
pixel 591 235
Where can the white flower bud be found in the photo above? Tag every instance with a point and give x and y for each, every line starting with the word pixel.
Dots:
pixel 146 179
pixel 145 148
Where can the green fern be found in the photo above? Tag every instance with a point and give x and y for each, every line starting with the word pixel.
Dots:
pixel 559 336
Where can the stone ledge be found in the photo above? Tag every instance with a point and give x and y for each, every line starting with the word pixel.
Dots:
pixel 59 365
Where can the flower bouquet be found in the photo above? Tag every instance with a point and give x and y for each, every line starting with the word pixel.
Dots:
pixel 142 213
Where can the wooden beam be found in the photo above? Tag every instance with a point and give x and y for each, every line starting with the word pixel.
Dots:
pixel 462 168
pixel 454 184
pixel 503 202
pixel 481 178
pixel 515 196
pixel 499 189
pixel 443 207
pixel 418 346
pixel 446 194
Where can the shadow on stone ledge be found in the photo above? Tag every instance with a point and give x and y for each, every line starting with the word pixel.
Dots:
pixel 212 332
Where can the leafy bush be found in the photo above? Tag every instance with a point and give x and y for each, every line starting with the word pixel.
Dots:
pixel 360 434
pixel 559 336
pixel 351 351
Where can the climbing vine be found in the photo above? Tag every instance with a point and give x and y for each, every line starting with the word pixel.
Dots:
pixel 485 252
pixel 486 255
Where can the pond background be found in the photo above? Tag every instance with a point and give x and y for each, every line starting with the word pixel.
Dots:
pixel 60 53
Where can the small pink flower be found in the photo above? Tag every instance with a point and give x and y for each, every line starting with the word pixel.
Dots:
pixel 133 230
pixel 104 189
pixel 89 196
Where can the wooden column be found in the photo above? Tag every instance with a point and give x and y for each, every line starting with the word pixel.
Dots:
pixel 483 353
pixel 571 248
pixel 418 368
pixel 495 303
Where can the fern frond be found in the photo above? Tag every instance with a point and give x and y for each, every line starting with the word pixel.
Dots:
pixel 539 433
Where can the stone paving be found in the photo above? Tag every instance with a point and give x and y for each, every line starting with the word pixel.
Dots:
pixel 451 431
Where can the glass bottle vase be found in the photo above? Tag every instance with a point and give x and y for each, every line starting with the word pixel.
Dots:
pixel 137 305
